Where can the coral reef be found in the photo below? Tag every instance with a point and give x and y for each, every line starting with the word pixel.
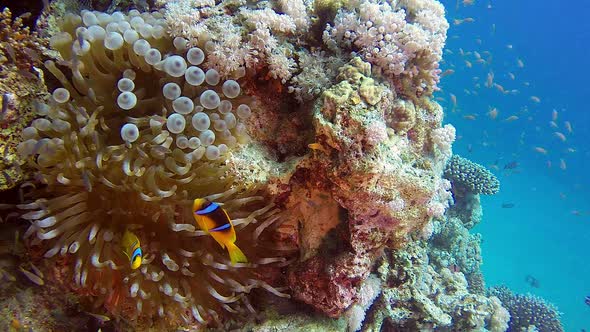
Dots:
pixel 415 297
pixel 452 246
pixel 275 322
pixel 470 176
pixel 19 46
pixel 469 180
pixel 314 127
pixel 381 198
pixel 151 117
pixel 402 39
pixel 21 83
pixel 368 292
pixel 528 312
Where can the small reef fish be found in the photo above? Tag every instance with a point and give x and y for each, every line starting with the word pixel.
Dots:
pixel 470 117
pixel 102 319
pixel 554 115
pixel 532 281
pixel 493 114
pixel 520 63
pixel 499 88
pixel 560 136
pixel 568 127
pixel 511 165
pixel 490 79
pixel 562 164
pixel 508 205
pixel 511 118
pixel 215 221
pixel 535 99
pixel 577 213
pixel 540 150
pixel 447 72
pixel 132 249
pixel 465 20
pixel 317 147
pixel 587 300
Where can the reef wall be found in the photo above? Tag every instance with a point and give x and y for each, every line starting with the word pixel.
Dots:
pixel 312 123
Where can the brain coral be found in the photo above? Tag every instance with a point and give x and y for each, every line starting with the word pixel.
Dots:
pixel 137 132
pixel 471 176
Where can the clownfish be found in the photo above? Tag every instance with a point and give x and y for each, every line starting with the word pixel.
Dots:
pixel 213 220
pixel 132 249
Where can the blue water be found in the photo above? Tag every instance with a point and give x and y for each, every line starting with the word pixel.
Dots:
pixel 547 233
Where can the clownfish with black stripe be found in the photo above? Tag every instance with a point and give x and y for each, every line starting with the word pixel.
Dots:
pixel 215 221
pixel 132 249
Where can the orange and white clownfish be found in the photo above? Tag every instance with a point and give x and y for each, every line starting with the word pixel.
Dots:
pixel 213 220
pixel 132 249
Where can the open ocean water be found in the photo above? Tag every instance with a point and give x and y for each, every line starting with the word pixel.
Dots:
pixel 522 110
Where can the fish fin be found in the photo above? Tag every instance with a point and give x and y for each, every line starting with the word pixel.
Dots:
pixel 235 254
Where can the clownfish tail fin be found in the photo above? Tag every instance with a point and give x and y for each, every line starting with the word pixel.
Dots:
pixel 235 254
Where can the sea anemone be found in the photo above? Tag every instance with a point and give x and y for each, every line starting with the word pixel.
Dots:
pixel 135 133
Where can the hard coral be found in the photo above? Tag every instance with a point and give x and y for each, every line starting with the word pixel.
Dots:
pixel 528 311
pixel 20 85
pixel 136 133
pixel 19 46
pixel 382 198
pixel 416 297
pixel 467 175
pixel 403 40
pixel 318 70
pixel 452 246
